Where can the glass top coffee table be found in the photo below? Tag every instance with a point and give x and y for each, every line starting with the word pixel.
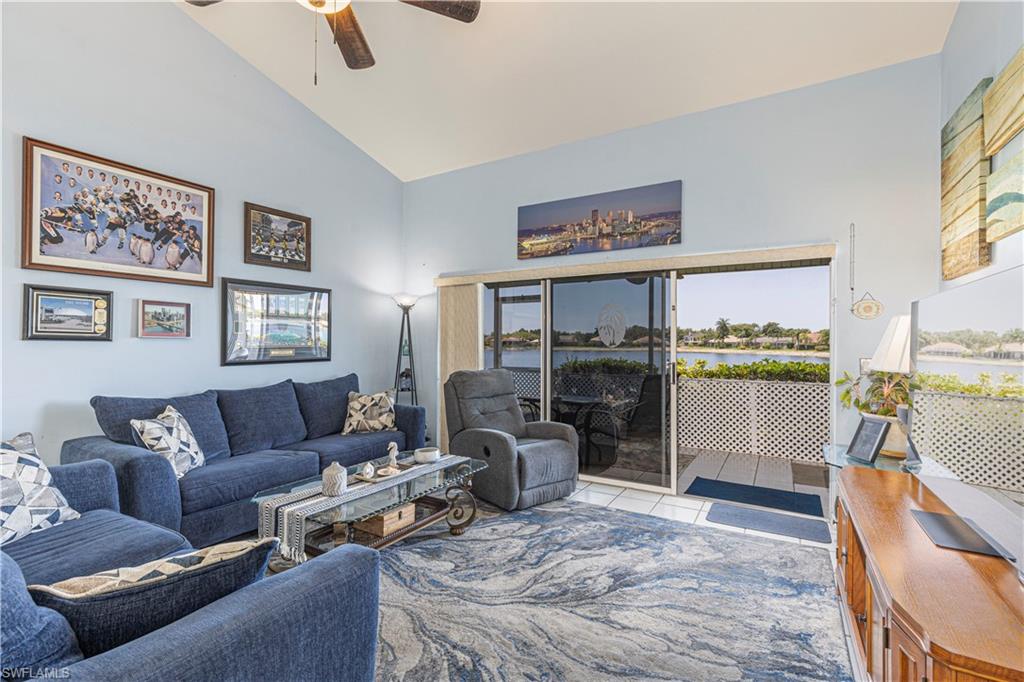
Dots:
pixel 368 519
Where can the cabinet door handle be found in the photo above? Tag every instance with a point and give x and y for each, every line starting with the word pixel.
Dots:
pixel 861 618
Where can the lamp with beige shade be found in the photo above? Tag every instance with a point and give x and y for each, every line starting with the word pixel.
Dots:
pixel 888 383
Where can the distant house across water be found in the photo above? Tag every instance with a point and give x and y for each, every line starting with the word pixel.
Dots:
pixel 947 348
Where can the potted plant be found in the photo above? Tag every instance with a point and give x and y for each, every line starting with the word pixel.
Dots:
pixel 880 393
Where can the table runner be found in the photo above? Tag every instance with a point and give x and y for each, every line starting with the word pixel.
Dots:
pixel 284 516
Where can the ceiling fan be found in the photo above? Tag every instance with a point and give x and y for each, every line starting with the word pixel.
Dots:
pixel 349 36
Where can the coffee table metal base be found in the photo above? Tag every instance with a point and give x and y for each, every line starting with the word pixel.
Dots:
pixel 458 508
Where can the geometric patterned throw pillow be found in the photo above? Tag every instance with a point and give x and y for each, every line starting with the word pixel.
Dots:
pixel 28 500
pixel 111 608
pixel 116 579
pixel 169 435
pixel 370 412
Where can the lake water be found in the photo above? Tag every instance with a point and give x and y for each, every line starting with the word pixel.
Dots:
pixel 612 244
pixel 531 358
pixel 967 371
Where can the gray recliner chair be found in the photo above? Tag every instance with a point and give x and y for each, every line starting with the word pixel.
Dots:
pixel 527 463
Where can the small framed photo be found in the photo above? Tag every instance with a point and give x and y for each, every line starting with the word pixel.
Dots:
pixel 164 320
pixel 868 438
pixel 63 314
pixel 264 323
pixel 277 238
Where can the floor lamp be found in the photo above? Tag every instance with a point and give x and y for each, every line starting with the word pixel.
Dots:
pixel 405 380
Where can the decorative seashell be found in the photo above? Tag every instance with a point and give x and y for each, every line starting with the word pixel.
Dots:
pixel 335 480
pixel 368 471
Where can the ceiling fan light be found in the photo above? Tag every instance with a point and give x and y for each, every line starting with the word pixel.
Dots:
pixel 324 6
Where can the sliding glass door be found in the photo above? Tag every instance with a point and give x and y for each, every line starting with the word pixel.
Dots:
pixel 597 354
pixel 611 375
pixel 512 339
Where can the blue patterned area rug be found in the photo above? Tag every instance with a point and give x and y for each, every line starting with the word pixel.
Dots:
pixel 572 591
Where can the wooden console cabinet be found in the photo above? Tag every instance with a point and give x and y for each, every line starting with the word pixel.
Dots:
pixel 918 612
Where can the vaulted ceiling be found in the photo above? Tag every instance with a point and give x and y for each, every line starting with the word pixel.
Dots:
pixel 529 75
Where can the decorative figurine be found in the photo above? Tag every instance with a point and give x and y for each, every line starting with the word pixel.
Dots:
pixel 335 480
pixel 393 455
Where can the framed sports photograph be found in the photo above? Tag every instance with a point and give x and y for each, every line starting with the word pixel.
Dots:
pixel 85 214
pixel 267 323
pixel 276 238
pixel 63 314
pixel 164 320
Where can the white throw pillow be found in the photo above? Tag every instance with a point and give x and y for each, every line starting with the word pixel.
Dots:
pixel 370 412
pixel 170 436
pixel 28 501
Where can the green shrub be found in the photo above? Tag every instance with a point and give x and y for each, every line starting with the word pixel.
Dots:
pixel 1009 385
pixel 762 370
pixel 603 366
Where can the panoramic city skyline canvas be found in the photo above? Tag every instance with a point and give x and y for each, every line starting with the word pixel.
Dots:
pixel 651 215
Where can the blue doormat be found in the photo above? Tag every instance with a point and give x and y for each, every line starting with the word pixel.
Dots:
pixel 770 522
pixel 801 503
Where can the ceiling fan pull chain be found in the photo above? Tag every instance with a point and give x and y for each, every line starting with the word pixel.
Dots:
pixel 316 50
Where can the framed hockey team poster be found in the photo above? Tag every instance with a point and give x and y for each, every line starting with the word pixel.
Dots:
pixel 276 238
pixel 89 215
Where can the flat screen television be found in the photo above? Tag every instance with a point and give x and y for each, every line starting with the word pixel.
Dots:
pixel 968 417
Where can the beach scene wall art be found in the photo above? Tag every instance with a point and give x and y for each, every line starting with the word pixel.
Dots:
pixel 633 218
pixel 1005 207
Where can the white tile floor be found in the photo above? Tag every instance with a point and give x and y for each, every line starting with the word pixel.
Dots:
pixel 682 508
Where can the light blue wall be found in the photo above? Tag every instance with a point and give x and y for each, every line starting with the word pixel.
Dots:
pixel 983 38
pixel 788 169
pixel 142 83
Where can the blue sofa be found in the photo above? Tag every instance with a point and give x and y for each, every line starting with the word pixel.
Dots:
pixel 263 631
pixel 253 439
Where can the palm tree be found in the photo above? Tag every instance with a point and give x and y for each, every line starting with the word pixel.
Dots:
pixel 722 327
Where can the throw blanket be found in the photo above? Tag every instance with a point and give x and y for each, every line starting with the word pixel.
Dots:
pixel 284 516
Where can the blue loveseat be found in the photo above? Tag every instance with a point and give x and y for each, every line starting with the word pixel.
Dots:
pixel 253 439
pixel 262 631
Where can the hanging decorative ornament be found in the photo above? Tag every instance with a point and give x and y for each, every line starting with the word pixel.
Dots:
pixel 867 307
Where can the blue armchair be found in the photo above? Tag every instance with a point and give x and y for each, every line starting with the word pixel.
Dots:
pixel 253 439
pixel 101 539
pixel 316 621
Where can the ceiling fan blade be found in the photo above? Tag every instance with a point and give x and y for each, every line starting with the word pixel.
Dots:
pixel 202 3
pixel 460 10
pixel 350 39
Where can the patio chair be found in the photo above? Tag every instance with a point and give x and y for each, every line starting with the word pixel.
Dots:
pixel 605 426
